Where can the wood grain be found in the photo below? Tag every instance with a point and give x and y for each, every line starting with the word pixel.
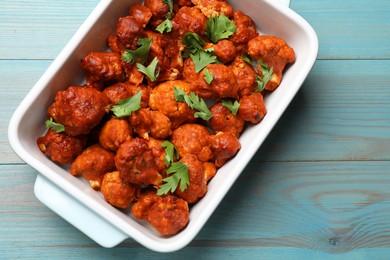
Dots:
pixel 355 29
pixel 39 28
pixel 317 208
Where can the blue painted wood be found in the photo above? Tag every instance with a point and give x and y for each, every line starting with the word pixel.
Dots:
pixel 317 188
pixel 347 29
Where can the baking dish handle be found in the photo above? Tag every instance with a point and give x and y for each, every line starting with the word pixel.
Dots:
pixel 88 222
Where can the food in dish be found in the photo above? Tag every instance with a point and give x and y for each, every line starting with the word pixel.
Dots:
pixel 139 129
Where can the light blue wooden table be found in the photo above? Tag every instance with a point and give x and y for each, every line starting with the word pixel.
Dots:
pixel 318 188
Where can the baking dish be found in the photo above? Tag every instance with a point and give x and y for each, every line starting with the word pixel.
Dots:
pixel 73 199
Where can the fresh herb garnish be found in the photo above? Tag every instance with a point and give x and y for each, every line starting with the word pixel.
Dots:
pixel 171 153
pixel 127 106
pixel 139 55
pixel 246 59
pixel 208 76
pixel 170 5
pixel 233 107
pixel 179 170
pixel 166 25
pixel 50 124
pixel 193 43
pixel 150 70
pixel 194 49
pixel 219 27
pixel 194 102
pixel 267 75
pixel 180 175
pixel 202 58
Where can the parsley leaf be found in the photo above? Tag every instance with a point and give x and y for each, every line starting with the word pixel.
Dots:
pixel 267 75
pixel 170 4
pixel 171 153
pixel 194 102
pixel 50 124
pixel 208 76
pixel 202 58
pixel 165 26
pixel 125 107
pixel 180 175
pixel 233 107
pixel 219 27
pixel 150 70
pixel 193 42
pixel 246 59
pixel 139 55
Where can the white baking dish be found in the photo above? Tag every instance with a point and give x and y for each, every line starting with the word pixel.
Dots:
pixel 73 199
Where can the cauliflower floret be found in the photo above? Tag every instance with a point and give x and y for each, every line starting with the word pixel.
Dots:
pixel 212 8
pixel 168 214
pixel 274 52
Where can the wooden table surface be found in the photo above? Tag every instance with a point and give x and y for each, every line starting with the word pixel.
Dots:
pixel 319 187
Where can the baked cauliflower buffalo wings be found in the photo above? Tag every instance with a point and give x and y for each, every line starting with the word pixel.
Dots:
pixel 164 107
pixel 168 214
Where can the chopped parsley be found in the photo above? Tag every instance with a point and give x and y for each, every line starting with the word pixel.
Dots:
pixel 178 171
pixel 179 175
pixel 166 25
pixel 50 124
pixel 171 153
pixel 194 49
pixel 246 59
pixel 150 70
pixel 139 55
pixel 193 43
pixel 202 58
pixel 194 102
pixel 208 76
pixel 267 75
pixel 233 107
pixel 219 27
pixel 127 106
pixel 170 5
